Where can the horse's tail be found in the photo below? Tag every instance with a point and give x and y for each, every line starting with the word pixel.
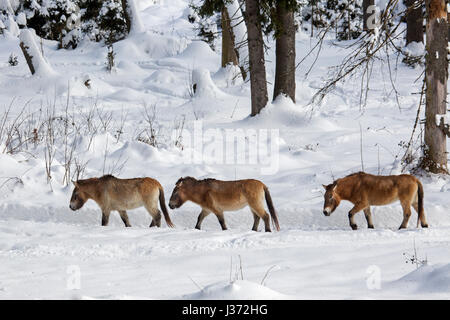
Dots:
pixel 421 213
pixel 162 203
pixel 273 214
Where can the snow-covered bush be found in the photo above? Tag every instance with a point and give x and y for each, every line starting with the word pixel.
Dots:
pixel 205 25
pixel 103 20
pixel 69 21
pixel 350 23
pixel 50 18
pixel 12 60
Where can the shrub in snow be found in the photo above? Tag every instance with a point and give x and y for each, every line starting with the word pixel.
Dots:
pixel 110 64
pixel 2 26
pixel 13 60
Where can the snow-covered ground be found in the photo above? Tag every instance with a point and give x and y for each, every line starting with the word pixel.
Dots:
pixel 49 251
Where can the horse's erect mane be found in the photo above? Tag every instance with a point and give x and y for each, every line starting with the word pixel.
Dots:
pixel 355 174
pixel 90 180
pixel 191 179
pixel 182 179
pixel 349 175
pixel 107 176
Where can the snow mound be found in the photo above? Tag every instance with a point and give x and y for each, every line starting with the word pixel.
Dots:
pixel 145 45
pixel 415 49
pixel 228 76
pixel 204 86
pixel 162 77
pixel 197 53
pixel 282 112
pixel 238 290
pixel 427 278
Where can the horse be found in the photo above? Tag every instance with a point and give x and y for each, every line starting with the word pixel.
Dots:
pixel 217 196
pixel 111 193
pixel 365 190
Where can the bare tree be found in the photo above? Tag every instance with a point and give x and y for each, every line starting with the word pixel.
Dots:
pixel 436 74
pixel 414 21
pixel 285 50
pixel 228 45
pixel 258 84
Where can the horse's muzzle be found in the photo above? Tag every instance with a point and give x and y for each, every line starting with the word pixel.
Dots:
pixel 325 212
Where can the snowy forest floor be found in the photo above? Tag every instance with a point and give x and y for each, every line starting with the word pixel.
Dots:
pixel 43 244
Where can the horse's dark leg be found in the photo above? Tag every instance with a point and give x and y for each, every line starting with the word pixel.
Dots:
pixel 266 219
pixel 124 216
pixel 256 220
pixel 368 216
pixel 200 218
pixel 105 217
pixel 357 208
pixel 155 214
pixel 423 220
pixel 156 220
pixel 406 214
pixel 221 219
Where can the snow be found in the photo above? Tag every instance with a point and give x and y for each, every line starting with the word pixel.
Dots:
pixel 237 290
pixel 41 66
pixel 43 244
pixel 136 23
pixel 442 118
pixel 415 49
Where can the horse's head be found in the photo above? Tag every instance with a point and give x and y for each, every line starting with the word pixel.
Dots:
pixel 179 195
pixel 331 199
pixel 79 197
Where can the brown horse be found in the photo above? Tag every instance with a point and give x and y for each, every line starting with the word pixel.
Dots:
pixel 218 196
pixel 111 193
pixel 365 190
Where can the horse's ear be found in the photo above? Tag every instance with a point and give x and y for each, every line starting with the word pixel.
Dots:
pixel 324 186
pixel 75 183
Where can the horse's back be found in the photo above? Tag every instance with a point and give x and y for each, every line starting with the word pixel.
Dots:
pixel 382 190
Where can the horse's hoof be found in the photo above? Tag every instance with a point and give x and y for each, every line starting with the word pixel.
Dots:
pixel 354 226
pixel 371 227
pixel 424 226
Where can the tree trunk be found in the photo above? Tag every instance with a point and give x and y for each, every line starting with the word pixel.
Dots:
pixel 285 52
pixel 414 22
pixel 258 84
pixel 436 73
pixel 239 34
pixel 448 23
pixel 366 5
pixel 228 47
pixel 312 17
